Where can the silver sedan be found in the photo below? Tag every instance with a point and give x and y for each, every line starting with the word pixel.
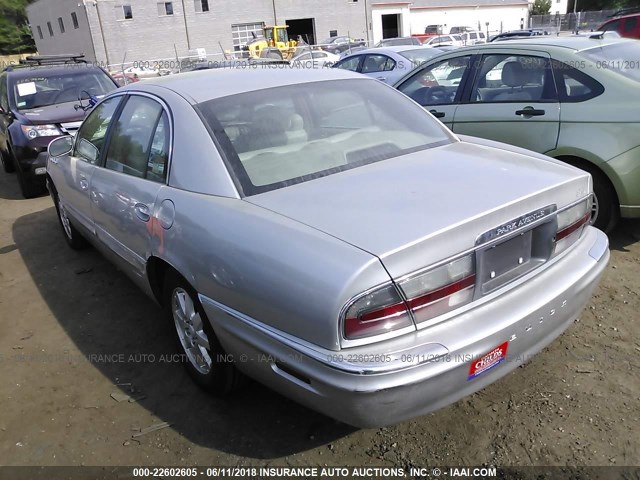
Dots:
pixel 387 64
pixel 320 232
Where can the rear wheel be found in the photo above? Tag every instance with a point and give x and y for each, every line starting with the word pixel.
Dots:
pixel 204 357
pixel 74 238
pixel 605 211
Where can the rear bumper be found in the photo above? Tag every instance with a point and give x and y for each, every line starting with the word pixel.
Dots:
pixel 383 384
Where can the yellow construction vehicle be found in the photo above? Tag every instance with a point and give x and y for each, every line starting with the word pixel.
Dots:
pixel 274 43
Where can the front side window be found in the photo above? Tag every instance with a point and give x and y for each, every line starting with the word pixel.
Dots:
pixel 286 135
pixel 611 26
pixel 630 24
pixel 513 78
pixel 62 87
pixel 135 139
pixel 90 137
pixel 437 84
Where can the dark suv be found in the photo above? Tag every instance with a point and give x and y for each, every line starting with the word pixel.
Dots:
pixel 40 99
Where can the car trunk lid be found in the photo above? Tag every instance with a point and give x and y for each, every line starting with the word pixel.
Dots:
pixel 419 209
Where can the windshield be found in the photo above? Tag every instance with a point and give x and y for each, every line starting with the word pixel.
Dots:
pixel 44 89
pixel 420 55
pixel 286 135
pixel 622 58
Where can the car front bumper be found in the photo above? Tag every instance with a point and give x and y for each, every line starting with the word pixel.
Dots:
pixel 387 383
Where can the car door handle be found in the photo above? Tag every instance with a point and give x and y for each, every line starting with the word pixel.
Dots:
pixel 84 184
pixel 437 114
pixel 530 112
pixel 382 79
pixel 142 212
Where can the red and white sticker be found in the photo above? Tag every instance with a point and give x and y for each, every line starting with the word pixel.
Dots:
pixel 488 361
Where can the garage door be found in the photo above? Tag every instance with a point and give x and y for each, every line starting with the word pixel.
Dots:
pixel 242 33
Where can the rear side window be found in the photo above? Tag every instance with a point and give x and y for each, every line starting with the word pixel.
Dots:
pixel 139 142
pixel 574 85
pixel 350 63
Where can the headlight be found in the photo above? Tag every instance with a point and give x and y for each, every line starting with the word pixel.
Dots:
pixel 34 131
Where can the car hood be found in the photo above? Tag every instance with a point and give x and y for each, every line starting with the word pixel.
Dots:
pixel 60 113
pixel 421 208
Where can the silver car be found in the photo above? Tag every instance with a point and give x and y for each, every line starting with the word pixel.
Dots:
pixel 320 232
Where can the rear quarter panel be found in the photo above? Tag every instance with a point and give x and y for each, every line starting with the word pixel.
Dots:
pixel 275 270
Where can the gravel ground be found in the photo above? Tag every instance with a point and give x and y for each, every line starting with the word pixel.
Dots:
pixel 74 331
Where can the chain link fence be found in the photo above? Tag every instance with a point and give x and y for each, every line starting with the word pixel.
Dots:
pixel 570 22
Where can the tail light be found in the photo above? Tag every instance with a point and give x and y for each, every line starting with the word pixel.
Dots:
pixel 441 289
pixel 378 312
pixel 571 222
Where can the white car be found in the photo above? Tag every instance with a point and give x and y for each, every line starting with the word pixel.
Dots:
pixel 314 59
pixel 444 40
pixel 471 38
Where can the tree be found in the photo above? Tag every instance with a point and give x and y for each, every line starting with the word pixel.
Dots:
pixel 15 34
pixel 541 7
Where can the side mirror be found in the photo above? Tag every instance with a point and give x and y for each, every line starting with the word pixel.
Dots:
pixel 60 146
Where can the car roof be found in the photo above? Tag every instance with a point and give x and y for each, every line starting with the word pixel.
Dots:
pixel 203 85
pixel 576 43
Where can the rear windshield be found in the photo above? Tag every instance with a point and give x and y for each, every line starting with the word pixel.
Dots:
pixel 44 88
pixel 622 58
pixel 420 55
pixel 286 135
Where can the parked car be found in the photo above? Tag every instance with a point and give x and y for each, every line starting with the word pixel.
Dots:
pixel 625 26
pixel 337 45
pixel 387 64
pixel 321 233
pixel 471 38
pixel 460 29
pixel 315 58
pixel 396 42
pixel 123 79
pixel 444 40
pixel 568 98
pixel 40 100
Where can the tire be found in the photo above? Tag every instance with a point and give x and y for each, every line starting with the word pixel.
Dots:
pixel 7 162
pixel 73 237
pixel 204 357
pixel 606 212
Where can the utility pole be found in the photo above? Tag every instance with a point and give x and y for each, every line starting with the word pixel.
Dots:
pixel 186 28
